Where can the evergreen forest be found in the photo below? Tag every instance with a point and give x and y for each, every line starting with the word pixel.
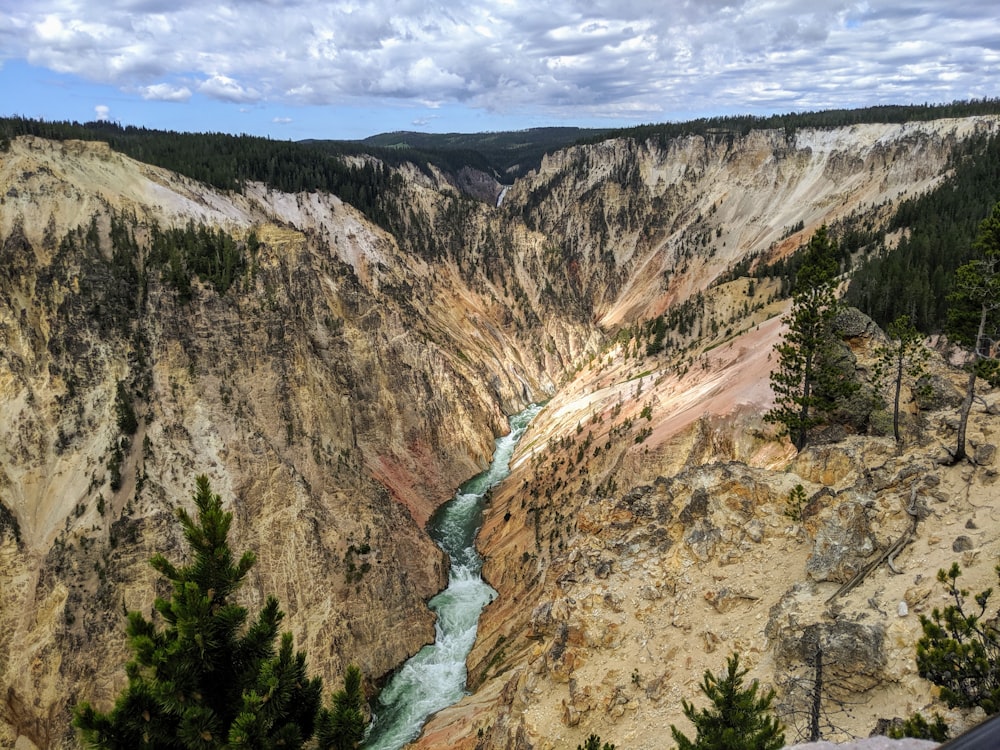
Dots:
pixel 934 233
pixel 906 269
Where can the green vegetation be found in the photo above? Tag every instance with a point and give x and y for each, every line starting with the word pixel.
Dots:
pixel 211 254
pixel 786 269
pixel 905 355
pixel 917 726
pixel 935 233
pixel 206 679
pixel 508 154
pixel 229 162
pixel 796 503
pixel 343 727
pixel 960 650
pixel 594 743
pixel 809 381
pixel 128 423
pixel 738 719
pixel 974 316
pixel 354 573
pixel 722 127
pixel 177 253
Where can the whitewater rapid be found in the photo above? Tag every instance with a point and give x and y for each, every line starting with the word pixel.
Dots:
pixel 435 677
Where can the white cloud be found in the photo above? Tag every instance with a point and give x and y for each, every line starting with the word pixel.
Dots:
pixel 165 92
pixel 51 30
pixel 102 112
pixel 225 88
pixel 632 58
pixel 282 120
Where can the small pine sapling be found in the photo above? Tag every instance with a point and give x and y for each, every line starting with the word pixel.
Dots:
pixel 738 719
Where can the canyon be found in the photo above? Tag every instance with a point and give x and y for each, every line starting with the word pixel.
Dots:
pixel 351 379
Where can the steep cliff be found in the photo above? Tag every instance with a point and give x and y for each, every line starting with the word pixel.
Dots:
pixel 346 380
pixel 335 395
pixel 584 636
pixel 614 600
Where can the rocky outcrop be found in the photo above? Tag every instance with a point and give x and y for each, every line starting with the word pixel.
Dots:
pixel 842 543
pixel 657 581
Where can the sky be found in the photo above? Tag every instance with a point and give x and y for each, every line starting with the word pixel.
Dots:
pixel 346 69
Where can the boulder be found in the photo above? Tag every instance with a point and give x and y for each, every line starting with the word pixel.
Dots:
pixel 843 541
pixel 934 392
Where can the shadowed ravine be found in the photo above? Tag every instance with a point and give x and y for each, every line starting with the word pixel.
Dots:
pixel 435 677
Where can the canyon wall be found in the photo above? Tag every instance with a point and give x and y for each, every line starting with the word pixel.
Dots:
pixel 349 380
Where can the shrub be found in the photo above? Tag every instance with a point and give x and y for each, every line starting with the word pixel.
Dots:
pixel 960 651
pixel 917 726
pixel 594 743
pixel 796 502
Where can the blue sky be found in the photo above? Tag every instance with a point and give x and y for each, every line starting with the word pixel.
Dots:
pixel 294 69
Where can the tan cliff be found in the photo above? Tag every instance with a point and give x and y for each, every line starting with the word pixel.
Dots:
pixel 588 451
pixel 614 601
pixel 649 223
pixel 331 414
pixel 348 383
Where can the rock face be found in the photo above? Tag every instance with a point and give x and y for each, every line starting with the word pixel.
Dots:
pixel 842 543
pixel 349 380
pixel 331 412
pixel 660 580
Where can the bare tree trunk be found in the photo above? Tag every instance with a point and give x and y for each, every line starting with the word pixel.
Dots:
pixel 963 422
pixel 899 386
pixel 817 698
pixel 800 435
pixel 970 391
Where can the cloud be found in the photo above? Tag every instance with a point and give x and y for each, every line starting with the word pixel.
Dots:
pixel 102 112
pixel 227 89
pixel 282 120
pixel 165 92
pixel 572 58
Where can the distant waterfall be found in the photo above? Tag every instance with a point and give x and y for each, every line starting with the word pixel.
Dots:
pixel 435 677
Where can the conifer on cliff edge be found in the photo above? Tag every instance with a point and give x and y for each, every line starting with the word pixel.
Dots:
pixel 205 678
pixel 738 719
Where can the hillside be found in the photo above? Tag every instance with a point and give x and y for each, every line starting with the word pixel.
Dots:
pixel 337 378
pixel 506 156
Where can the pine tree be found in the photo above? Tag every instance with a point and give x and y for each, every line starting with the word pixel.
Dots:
pixel 960 650
pixel 918 727
pixel 974 315
pixel 204 678
pixel 809 380
pixel 594 743
pixel 739 718
pixel 905 355
pixel 343 726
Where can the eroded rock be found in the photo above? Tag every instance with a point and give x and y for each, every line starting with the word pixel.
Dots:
pixel 843 541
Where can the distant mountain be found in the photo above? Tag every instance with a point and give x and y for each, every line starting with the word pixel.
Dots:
pixel 509 154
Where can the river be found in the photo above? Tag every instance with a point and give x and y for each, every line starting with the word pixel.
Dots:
pixel 434 678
